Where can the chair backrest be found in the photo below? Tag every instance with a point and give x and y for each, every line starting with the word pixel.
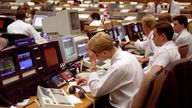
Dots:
pixel 155 89
pixel 143 93
pixel 176 91
pixel 183 50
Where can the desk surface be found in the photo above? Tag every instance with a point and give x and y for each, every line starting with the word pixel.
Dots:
pixel 86 102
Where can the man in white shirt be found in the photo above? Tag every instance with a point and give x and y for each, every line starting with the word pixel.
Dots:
pixel 147 45
pixel 184 37
pixel 19 26
pixel 167 51
pixel 173 8
pixel 155 8
pixel 121 81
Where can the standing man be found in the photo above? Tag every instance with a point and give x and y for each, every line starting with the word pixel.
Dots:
pixel 173 8
pixel 19 26
pixel 184 37
pixel 121 81
pixel 167 52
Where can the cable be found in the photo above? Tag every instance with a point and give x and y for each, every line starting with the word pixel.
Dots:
pixel 10 103
pixel 93 102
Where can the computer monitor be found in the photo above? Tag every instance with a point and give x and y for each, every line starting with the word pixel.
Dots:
pixel 121 32
pixel 25 60
pixel 81 45
pixel 37 21
pixel 7 66
pixel 114 7
pixel 66 21
pixel 51 56
pixel 4 22
pixel 67 47
pixel 1 23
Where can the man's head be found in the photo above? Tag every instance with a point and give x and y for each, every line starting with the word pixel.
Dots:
pixel 163 32
pixel 165 17
pixel 102 45
pixel 95 16
pixel 20 15
pixel 148 23
pixel 180 22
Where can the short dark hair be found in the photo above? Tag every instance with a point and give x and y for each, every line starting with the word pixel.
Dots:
pixel 166 28
pixel 182 19
pixel 95 15
pixel 165 17
pixel 20 14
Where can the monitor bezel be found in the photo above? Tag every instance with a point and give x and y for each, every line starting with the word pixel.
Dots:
pixel 34 19
pixel 55 67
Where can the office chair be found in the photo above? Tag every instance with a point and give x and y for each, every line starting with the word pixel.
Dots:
pixel 144 92
pixel 176 91
pixel 12 37
pixel 183 50
pixel 154 89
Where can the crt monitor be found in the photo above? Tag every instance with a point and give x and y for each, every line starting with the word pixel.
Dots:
pixel 7 66
pixel 65 22
pixel 37 21
pixel 4 22
pixel 25 60
pixel 51 56
pixel 67 47
pixel 81 45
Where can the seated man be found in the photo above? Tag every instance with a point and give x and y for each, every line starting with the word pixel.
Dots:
pixel 147 45
pixel 21 27
pixel 184 37
pixel 167 51
pixel 121 81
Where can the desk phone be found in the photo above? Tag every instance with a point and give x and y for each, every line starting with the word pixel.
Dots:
pixel 53 98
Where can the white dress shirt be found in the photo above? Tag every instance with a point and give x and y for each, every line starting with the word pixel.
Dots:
pixel 121 81
pixel 147 45
pixel 151 8
pixel 21 27
pixel 164 55
pixel 184 37
pixel 174 9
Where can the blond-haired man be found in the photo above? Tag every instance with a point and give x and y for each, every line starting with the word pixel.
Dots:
pixel 121 81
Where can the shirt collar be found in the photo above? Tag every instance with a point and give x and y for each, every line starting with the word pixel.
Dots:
pixel 115 55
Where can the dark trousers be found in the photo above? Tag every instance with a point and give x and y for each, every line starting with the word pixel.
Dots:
pixel 102 102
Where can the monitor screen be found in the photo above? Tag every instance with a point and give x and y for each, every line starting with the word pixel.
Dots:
pixel 1 24
pixel 135 28
pixel 25 60
pixel 75 23
pixel 51 56
pixel 69 46
pixel 37 21
pixel 116 34
pixel 7 66
pixel 82 49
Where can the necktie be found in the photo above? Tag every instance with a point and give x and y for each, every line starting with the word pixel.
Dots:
pixel 155 8
pixel 169 8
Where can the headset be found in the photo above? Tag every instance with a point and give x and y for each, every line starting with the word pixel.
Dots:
pixel 81 93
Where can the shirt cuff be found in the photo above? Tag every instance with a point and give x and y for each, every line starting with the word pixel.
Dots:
pixel 93 77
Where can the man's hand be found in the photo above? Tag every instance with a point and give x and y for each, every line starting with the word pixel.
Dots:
pixel 82 81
